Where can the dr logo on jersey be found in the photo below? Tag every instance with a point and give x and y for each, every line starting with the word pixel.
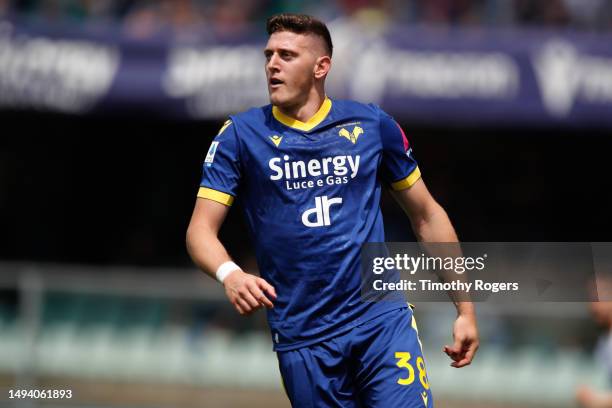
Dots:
pixel 320 212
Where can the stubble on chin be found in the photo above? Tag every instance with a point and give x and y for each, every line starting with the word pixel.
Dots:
pixel 278 100
pixel 273 100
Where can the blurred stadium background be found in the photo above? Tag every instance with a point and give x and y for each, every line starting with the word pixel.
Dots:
pixel 107 108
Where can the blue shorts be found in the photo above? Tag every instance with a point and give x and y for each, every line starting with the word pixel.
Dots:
pixel 376 364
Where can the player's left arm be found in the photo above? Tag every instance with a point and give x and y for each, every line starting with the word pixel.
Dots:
pixel 431 224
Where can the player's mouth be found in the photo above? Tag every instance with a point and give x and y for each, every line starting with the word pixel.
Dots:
pixel 275 83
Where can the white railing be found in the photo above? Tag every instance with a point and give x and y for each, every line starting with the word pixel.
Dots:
pixel 28 350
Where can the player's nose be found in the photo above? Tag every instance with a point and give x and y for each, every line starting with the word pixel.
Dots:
pixel 272 64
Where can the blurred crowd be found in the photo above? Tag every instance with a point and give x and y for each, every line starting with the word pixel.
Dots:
pixel 144 18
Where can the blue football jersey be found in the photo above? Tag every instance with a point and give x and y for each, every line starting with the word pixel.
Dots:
pixel 311 197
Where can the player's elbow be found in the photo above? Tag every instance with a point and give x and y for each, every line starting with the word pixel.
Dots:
pixel 190 240
pixel 195 237
pixel 425 219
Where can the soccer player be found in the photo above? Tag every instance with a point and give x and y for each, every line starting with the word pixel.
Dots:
pixel 309 171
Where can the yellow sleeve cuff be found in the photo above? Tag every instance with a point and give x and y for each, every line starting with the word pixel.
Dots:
pixel 215 195
pixel 408 181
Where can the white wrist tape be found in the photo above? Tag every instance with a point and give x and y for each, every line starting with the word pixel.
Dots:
pixel 225 269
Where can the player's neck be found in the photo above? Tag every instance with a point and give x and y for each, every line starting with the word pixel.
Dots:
pixel 304 111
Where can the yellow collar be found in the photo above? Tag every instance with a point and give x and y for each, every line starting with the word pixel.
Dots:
pixel 305 126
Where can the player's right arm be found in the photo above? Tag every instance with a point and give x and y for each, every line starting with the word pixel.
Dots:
pixel 221 176
pixel 245 291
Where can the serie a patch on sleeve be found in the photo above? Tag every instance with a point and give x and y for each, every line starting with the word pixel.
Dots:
pixel 210 156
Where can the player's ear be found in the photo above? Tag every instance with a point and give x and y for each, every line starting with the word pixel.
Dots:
pixel 322 67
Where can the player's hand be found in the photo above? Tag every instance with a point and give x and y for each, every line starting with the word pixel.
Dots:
pixel 465 335
pixel 587 397
pixel 248 292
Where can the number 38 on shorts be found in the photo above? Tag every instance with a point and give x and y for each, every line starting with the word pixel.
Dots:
pixel 404 361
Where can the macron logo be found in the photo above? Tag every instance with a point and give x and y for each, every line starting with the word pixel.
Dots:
pixel 565 75
pixel 319 215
